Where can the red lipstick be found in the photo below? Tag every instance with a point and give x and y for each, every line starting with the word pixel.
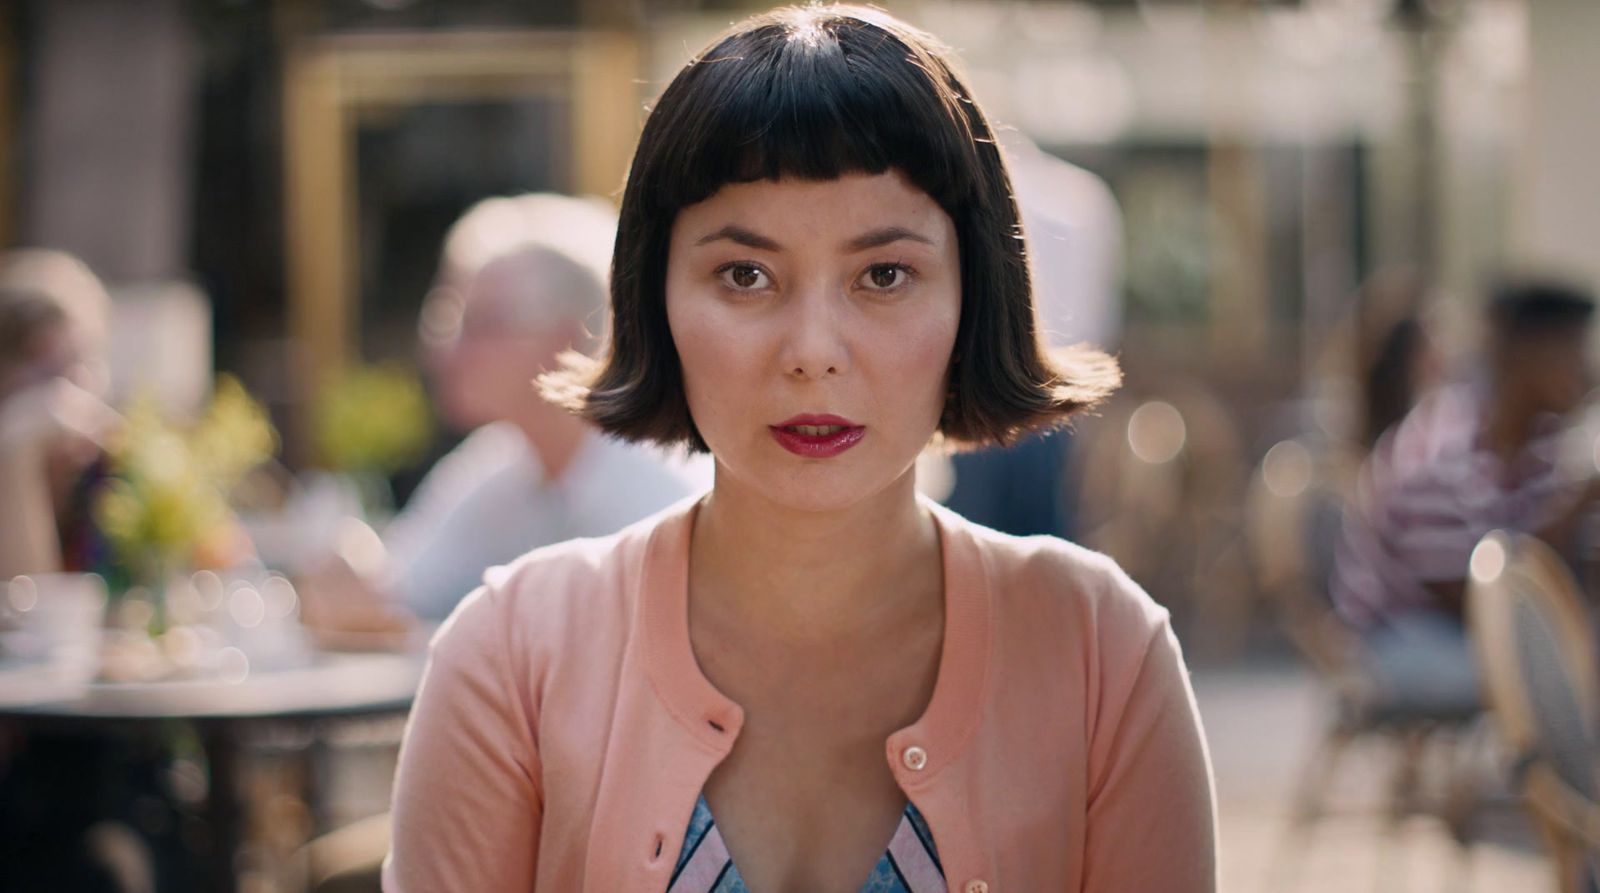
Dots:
pixel 817 436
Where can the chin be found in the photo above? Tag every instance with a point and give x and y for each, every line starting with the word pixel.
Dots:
pixel 821 501
pixel 461 416
pixel 817 486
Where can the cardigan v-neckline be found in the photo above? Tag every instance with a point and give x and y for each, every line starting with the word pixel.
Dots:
pixel 916 753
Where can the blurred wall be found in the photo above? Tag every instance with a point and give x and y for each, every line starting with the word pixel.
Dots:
pixel 1557 206
pixel 107 130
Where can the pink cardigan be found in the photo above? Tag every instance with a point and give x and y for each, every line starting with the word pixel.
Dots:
pixel 564 730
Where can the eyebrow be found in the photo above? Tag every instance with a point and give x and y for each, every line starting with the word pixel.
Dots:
pixel 880 237
pixel 741 236
pixel 874 239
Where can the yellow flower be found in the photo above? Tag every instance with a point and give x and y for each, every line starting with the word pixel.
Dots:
pixel 234 436
pixel 165 502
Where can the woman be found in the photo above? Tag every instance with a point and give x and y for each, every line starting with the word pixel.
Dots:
pixel 52 420
pixel 69 802
pixel 1400 361
pixel 808 679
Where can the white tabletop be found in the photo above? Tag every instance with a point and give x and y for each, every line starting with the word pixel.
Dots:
pixel 330 684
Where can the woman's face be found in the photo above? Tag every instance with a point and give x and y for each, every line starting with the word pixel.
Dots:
pixel 55 351
pixel 815 320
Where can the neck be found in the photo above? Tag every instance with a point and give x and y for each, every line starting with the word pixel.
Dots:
pixel 555 435
pixel 803 575
pixel 1509 423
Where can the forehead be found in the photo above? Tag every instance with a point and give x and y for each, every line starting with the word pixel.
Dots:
pixel 796 209
pixel 510 279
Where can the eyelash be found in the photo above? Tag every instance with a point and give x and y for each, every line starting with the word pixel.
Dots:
pixel 722 276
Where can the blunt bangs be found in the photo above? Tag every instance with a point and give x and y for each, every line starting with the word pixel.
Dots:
pixel 813 95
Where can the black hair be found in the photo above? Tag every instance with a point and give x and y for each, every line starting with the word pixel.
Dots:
pixel 1530 307
pixel 814 93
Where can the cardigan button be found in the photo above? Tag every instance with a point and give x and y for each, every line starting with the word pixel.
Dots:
pixel 915 758
pixel 977 886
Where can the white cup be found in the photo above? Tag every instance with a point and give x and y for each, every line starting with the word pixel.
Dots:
pixel 59 620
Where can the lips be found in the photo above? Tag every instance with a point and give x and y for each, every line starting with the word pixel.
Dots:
pixel 817 436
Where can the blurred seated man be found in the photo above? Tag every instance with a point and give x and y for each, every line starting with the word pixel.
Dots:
pixel 1468 459
pixel 521 281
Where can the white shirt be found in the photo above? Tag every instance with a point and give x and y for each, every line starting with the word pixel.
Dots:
pixel 488 501
pixel 1074 231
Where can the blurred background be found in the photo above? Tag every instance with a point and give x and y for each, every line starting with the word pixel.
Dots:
pixel 253 414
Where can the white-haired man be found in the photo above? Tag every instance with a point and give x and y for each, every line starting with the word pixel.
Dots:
pixel 521 281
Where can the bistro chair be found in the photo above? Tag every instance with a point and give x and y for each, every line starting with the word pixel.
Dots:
pixel 1295 507
pixel 1536 645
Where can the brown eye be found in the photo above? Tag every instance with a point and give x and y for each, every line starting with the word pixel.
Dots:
pixel 744 276
pixel 884 277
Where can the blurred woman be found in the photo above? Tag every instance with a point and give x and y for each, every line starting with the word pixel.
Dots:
pixel 66 798
pixel 1397 356
pixel 52 419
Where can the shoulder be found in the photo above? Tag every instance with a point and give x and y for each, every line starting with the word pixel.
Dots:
pixel 578 591
pixel 1046 576
pixel 1441 430
pixel 482 459
pixel 642 475
pixel 480 454
pixel 1072 616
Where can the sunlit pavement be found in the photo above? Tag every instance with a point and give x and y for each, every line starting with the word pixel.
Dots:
pixel 1262 722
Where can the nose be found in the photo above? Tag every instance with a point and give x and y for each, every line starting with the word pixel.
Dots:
pixel 814 346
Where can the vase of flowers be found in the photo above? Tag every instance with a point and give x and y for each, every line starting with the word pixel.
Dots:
pixel 164 508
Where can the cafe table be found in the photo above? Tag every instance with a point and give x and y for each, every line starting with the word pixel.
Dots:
pixel 329 686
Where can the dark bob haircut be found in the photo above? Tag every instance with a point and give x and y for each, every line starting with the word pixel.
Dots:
pixel 814 93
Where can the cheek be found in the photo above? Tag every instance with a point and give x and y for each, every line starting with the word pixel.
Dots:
pixel 716 360
pixel 475 370
pixel 467 368
pixel 920 364
pixel 688 326
pixel 921 356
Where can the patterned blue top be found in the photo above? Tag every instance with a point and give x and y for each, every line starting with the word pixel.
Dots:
pixel 909 865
